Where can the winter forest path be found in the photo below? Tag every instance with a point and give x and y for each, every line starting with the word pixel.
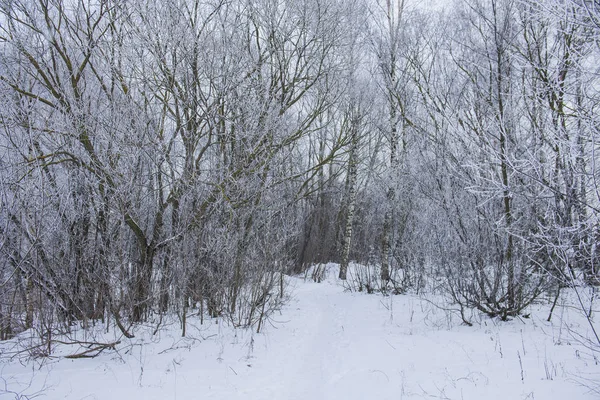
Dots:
pixel 328 343
pixel 337 344
pixel 332 348
pixel 344 345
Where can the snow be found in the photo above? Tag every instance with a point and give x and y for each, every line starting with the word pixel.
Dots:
pixel 329 343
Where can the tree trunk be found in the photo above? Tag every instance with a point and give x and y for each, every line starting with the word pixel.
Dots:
pixel 351 198
pixel 142 280
pixel 391 191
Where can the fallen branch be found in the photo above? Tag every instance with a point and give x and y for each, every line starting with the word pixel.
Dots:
pixel 94 351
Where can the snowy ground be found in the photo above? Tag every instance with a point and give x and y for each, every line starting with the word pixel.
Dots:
pixel 328 343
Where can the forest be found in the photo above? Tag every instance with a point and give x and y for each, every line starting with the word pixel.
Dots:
pixel 168 157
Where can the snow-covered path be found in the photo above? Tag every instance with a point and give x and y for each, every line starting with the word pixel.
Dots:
pixel 343 345
pixel 328 343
